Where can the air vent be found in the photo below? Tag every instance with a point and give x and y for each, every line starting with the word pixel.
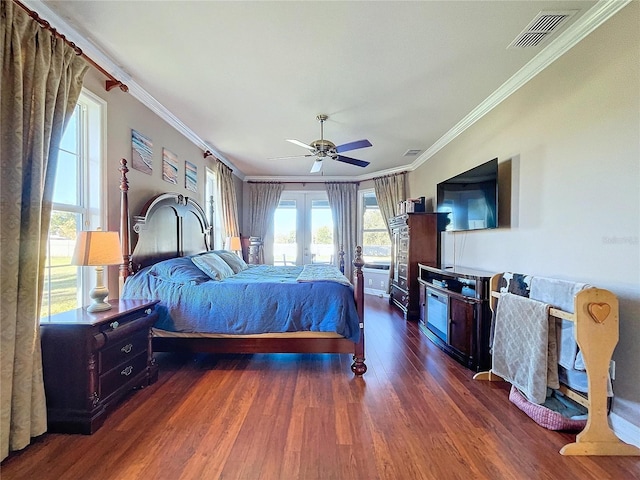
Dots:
pixel 541 27
pixel 412 153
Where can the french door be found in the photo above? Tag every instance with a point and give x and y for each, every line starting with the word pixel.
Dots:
pixel 302 229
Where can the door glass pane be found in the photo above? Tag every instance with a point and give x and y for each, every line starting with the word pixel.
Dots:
pixel 285 246
pixel 321 232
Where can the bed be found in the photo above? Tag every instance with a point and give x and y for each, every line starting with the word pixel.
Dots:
pixel 255 309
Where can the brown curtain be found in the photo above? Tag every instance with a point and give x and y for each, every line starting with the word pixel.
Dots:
pixel 343 201
pixel 265 197
pixel 227 200
pixel 41 81
pixel 390 190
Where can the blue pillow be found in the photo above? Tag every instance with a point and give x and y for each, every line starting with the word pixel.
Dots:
pixel 179 270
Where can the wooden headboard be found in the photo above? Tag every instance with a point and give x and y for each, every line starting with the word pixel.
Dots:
pixel 169 226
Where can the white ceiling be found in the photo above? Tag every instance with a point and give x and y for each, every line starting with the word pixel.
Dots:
pixel 242 77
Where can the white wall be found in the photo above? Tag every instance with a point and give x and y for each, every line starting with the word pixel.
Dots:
pixel 569 147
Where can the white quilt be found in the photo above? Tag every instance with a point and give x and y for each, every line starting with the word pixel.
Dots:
pixel 318 273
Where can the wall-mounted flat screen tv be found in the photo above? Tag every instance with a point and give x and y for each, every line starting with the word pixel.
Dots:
pixel 471 198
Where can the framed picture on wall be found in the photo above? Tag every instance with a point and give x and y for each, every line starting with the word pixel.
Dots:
pixel 141 152
pixel 190 176
pixel 169 166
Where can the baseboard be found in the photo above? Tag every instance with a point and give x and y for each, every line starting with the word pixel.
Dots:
pixel 373 291
pixel 625 430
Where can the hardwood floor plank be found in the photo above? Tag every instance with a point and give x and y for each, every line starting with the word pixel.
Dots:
pixel 416 414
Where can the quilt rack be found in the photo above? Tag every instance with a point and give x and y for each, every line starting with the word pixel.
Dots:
pixel 595 325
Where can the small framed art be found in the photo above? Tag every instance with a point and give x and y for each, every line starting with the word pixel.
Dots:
pixel 141 152
pixel 190 176
pixel 169 166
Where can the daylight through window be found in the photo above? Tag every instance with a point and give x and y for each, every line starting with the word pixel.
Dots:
pixel 77 198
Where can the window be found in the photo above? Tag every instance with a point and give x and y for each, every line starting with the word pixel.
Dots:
pixel 376 244
pixel 77 205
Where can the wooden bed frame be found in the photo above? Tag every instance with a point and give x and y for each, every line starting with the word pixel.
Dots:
pixel 172 225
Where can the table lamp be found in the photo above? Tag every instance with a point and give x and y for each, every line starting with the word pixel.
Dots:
pixel 97 248
pixel 233 244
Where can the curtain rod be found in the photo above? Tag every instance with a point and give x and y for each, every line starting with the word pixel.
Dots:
pixel 112 82
pixel 391 175
pixel 301 182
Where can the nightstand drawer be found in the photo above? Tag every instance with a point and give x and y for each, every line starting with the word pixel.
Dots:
pixel 123 350
pixel 117 377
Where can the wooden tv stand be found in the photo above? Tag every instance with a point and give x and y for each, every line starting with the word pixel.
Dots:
pixel 455 313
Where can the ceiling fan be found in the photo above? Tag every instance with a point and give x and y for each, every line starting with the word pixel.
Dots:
pixel 322 149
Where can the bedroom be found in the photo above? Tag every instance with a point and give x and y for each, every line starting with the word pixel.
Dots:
pixel 575 214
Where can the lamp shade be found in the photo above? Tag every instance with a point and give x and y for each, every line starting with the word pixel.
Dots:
pixel 97 248
pixel 233 244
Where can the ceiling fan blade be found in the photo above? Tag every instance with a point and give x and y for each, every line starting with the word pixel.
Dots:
pixel 345 147
pixel 290 156
pixel 301 144
pixel 352 161
pixel 316 167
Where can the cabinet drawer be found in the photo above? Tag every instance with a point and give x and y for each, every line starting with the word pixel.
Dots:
pixel 400 296
pixel 402 270
pixel 118 376
pixel 122 350
pixel 403 245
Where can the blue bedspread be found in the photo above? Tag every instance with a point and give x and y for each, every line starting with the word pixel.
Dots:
pixel 261 299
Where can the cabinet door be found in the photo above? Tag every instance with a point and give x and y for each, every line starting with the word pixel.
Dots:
pixel 423 303
pixel 461 324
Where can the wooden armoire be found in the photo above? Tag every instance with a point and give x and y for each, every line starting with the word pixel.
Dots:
pixel 415 238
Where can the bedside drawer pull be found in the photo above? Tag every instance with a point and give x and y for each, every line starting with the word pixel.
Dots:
pixel 127 371
pixel 114 325
pixel 127 348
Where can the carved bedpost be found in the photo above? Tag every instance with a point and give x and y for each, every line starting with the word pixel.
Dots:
pixel 358 366
pixel 341 258
pixel 212 222
pixel 256 256
pixel 125 225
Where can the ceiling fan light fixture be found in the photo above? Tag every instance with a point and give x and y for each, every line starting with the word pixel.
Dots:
pixel 327 149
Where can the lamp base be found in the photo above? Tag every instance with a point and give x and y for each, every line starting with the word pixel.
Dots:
pixel 98 307
pixel 98 295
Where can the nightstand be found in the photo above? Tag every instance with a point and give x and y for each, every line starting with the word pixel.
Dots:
pixel 91 360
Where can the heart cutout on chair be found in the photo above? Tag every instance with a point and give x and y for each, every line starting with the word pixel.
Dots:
pixel 599 311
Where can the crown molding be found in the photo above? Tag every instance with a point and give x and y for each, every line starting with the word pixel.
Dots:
pixel 576 32
pixel 322 179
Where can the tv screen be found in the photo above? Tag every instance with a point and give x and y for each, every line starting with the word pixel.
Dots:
pixel 471 198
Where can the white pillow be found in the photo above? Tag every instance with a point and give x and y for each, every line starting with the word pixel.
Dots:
pixel 213 265
pixel 236 263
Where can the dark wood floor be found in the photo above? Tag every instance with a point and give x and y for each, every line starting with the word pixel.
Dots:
pixel 416 414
